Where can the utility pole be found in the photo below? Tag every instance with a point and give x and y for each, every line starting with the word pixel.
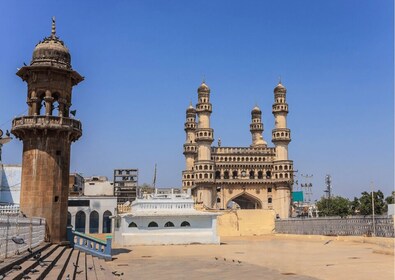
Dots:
pixel 328 184
pixel 373 220
pixel 307 185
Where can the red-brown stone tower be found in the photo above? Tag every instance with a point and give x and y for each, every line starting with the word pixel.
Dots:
pixel 47 133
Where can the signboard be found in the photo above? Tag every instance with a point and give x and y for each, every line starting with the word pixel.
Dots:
pixel 297 196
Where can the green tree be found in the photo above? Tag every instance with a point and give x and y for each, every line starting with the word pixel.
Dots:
pixel 365 201
pixel 390 199
pixel 355 206
pixel 334 206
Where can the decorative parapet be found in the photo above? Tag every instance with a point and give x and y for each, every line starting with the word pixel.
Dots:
pixel 281 135
pixel 280 107
pixel 242 150
pixel 21 125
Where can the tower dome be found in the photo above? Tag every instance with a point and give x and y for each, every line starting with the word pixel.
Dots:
pixel 203 88
pixel 51 51
pixel 256 110
pixel 280 88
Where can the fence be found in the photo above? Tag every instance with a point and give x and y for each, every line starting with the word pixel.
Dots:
pixel 356 226
pixel 9 209
pixel 30 232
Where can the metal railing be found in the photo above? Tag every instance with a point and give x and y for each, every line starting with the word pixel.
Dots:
pixel 352 226
pixel 89 244
pixel 17 234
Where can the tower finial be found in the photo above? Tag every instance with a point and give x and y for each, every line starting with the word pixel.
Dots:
pixel 279 79
pixel 204 79
pixel 53 31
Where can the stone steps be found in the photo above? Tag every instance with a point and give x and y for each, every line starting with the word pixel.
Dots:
pixel 60 262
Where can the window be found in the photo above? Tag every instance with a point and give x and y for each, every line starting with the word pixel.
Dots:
pixel 217 175
pixel 185 224
pixel 269 189
pixel 268 174
pixel 252 174
pixel 260 175
pixel 169 224
pixel 226 175
pixel 234 174
pixel 152 224
pixel 269 200
pixel 132 224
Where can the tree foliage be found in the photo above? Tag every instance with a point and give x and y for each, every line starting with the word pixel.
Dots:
pixel 334 206
pixel 365 207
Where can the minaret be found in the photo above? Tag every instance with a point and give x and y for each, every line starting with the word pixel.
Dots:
pixel 282 167
pixel 281 135
pixel 47 137
pixel 204 166
pixel 190 150
pixel 256 128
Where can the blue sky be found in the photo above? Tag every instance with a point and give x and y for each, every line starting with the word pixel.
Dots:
pixel 143 61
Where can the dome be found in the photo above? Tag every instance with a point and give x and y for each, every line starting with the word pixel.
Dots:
pixel 51 51
pixel 191 109
pixel 280 88
pixel 256 110
pixel 204 88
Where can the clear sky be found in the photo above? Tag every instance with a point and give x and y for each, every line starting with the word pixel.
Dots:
pixel 143 61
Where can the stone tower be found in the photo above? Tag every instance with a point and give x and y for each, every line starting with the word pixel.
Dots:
pixel 256 128
pixel 204 136
pixel 281 136
pixel 47 132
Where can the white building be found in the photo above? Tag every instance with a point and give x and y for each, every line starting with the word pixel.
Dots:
pixel 98 185
pixel 10 183
pixel 165 219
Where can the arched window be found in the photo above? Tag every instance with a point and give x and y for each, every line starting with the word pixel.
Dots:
pixel 80 219
pixel 205 175
pixel 185 224
pixel 226 175
pixel 152 224
pixel 252 174
pixel 268 174
pixel 217 175
pixel 269 200
pixel 260 175
pixel 269 189
pixel 68 219
pixel 107 222
pixel 169 224
pixel 132 224
pixel 205 167
pixel 94 222
pixel 234 174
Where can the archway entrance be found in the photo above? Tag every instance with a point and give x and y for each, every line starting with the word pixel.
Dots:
pixel 80 218
pixel 245 201
pixel 94 222
pixel 107 222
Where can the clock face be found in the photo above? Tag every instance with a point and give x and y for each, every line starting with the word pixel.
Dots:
pixel 1 133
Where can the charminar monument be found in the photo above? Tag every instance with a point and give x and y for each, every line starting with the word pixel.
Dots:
pixel 254 177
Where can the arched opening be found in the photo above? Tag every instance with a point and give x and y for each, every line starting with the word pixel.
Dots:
pixel 268 174
pixel 217 175
pixel 226 175
pixel 245 201
pixel 132 224
pixel 185 224
pixel 94 222
pixel 169 224
pixel 252 174
pixel 106 222
pixel 152 224
pixel 80 219
pixel 260 175
pixel 234 174
pixel 68 219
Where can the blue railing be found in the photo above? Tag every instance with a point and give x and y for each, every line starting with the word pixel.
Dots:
pixel 90 245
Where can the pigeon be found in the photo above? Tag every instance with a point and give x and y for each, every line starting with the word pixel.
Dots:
pixel 239 261
pixel 17 267
pixel 233 260
pixel 30 250
pixel 37 256
pixel 78 272
pixel 216 258
pixel 24 64
pixel 68 277
pixel 23 214
pixel 90 268
pixel 25 276
pixel 33 270
pixel 101 268
pixel 329 241
pixel 117 274
pixel 18 240
pixel 75 265
pixel 41 263
pixel 224 259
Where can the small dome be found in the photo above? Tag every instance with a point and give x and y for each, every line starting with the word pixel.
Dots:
pixel 191 109
pixel 204 88
pixel 280 88
pixel 256 110
pixel 52 52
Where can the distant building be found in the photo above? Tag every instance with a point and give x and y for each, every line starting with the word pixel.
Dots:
pixel 125 185
pixel 166 218
pixel 10 183
pixel 254 177
pixel 76 184
pixel 90 211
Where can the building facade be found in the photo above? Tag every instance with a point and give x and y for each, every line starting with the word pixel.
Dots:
pixel 254 177
pixel 47 132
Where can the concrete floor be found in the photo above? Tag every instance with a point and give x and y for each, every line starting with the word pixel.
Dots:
pixel 263 257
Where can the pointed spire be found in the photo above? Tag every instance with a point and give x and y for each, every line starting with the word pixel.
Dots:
pixel 279 80
pixel 53 31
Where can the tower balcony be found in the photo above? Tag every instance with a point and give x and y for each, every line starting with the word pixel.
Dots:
pixel 22 126
pixel 256 127
pixel 280 108
pixel 190 148
pixel 189 126
pixel 204 107
pixel 281 135
pixel 204 135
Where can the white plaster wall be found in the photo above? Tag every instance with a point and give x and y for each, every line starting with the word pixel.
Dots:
pixel 98 188
pixel 99 204
pixel 203 230
pixel 10 183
